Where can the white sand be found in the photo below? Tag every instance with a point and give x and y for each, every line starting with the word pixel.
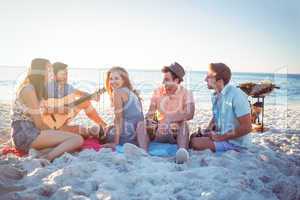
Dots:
pixel 270 169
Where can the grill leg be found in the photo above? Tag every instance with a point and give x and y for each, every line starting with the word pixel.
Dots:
pixel 263 112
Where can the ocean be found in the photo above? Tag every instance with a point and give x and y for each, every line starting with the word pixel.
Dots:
pixel 147 80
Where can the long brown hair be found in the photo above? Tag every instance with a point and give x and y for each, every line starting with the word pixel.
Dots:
pixel 125 76
pixel 36 77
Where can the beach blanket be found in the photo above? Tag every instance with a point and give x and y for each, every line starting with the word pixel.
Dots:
pixel 91 143
pixel 156 149
pixel 12 150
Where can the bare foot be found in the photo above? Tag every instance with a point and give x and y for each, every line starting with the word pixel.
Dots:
pixel 44 160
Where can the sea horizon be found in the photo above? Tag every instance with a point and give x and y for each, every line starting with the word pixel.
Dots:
pixel 89 79
pixel 158 69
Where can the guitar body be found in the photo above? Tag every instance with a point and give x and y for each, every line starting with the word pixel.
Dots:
pixel 60 102
pixel 58 119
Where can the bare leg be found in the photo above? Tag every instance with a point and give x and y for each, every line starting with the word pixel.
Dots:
pixel 183 136
pixel 202 143
pixel 61 141
pixel 91 112
pixel 81 130
pixel 142 136
pixel 77 129
pixel 44 152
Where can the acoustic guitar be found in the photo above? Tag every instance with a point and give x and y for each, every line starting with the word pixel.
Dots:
pixel 57 119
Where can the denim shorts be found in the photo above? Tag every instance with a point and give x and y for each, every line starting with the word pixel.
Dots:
pixel 23 134
pixel 127 136
pixel 169 137
pixel 226 146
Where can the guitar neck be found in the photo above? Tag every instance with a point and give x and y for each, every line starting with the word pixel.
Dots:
pixel 86 98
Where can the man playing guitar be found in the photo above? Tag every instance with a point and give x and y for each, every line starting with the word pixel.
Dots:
pixel 59 88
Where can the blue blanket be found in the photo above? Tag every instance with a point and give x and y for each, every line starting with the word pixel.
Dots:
pixel 156 149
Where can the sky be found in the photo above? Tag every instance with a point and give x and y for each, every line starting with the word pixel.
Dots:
pixel 249 36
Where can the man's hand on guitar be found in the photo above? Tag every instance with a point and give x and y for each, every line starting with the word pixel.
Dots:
pixel 97 97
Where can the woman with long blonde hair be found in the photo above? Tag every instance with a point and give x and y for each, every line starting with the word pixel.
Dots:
pixel 28 129
pixel 127 108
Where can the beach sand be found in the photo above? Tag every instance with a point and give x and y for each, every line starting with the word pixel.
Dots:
pixel 269 169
